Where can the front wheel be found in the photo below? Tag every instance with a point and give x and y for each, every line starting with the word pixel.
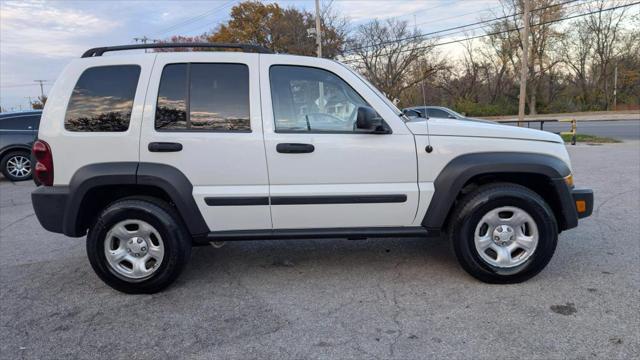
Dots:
pixel 503 233
pixel 138 245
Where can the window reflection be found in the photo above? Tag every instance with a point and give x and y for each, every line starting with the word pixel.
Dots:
pixel 218 98
pixel 102 100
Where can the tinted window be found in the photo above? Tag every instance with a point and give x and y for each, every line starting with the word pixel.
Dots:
pixel 24 122
pixel 103 99
pixel 217 96
pixel 171 110
pixel 437 113
pixel 312 100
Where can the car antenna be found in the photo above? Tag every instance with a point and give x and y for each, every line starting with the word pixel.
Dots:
pixel 429 148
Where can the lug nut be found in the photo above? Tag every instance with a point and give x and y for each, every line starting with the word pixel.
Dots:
pixel 139 241
pixel 144 248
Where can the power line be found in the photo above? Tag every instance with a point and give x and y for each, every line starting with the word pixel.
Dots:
pixel 455 27
pixel 194 19
pixel 508 30
pixel 465 30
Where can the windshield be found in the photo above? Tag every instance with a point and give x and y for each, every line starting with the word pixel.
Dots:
pixel 375 90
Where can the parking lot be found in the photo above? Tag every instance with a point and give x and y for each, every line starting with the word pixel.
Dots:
pixel 397 298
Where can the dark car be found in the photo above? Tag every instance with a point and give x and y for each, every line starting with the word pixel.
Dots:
pixel 436 112
pixel 18 131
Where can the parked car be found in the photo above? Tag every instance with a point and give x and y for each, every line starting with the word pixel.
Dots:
pixel 175 149
pixel 439 112
pixel 18 131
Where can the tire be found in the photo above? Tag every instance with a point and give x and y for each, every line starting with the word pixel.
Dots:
pixel 17 166
pixel 502 259
pixel 128 225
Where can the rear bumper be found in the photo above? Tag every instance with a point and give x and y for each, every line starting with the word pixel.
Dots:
pixel 49 204
pixel 583 201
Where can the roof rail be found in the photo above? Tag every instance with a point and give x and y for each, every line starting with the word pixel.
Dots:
pixel 244 47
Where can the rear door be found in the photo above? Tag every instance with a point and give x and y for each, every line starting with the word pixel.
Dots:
pixel 335 177
pixel 209 104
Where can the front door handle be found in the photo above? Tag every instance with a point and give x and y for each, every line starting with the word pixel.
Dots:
pixel 164 147
pixel 293 148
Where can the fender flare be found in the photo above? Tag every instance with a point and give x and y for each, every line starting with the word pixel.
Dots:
pixel 461 169
pixel 167 178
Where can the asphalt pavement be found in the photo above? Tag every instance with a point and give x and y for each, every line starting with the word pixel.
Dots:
pixel 371 299
pixel 617 129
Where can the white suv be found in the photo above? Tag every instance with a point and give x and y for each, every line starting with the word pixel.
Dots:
pixel 149 154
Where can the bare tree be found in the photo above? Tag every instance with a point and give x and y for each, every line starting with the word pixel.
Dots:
pixel 392 56
pixel 604 31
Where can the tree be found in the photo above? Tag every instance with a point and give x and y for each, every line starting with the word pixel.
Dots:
pixel 282 30
pixel 39 104
pixel 393 57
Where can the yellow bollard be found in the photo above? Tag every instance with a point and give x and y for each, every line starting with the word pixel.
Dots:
pixel 574 130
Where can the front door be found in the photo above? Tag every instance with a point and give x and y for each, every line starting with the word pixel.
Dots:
pixel 323 173
pixel 207 106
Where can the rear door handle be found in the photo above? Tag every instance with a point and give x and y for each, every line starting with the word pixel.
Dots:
pixel 293 148
pixel 164 147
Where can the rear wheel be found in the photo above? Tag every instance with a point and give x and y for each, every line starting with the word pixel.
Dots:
pixel 138 245
pixel 503 233
pixel 16 166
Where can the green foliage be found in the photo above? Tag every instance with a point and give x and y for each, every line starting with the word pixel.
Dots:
pixel 589 139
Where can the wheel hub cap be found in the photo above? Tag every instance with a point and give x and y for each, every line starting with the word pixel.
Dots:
pixel 133 249
pixel 506 237
pixel 137 246
pixel 503 235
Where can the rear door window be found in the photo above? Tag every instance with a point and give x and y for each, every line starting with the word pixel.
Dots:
pixel 203 97
pixel 102 99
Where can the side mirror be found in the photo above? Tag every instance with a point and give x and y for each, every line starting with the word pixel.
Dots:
pixel 369 121
pixel 412 113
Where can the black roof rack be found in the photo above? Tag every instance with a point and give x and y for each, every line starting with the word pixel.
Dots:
pixel 244 47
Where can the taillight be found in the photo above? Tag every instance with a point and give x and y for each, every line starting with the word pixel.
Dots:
pixel 43 171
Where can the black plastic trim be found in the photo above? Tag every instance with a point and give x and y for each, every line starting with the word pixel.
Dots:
pixel 99 51
pixel 59 208
pixel 585 195
pixel 49 203
pixel 237 201
pixel 459 170
pixel 89 177
pixel 321 233
pixel 179 188
pixel 345 199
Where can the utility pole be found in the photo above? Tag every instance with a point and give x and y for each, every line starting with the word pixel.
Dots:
pixel 319 43
pixel 615 88
pixel 524 65
pixel 318 29
pixel 41 87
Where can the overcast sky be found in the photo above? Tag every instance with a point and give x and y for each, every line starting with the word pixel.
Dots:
pixel 38 38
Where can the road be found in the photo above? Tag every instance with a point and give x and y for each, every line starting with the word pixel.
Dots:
pixel 373 299
pixel 619 129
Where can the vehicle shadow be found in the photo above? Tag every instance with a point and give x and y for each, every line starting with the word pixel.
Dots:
pixel 327 259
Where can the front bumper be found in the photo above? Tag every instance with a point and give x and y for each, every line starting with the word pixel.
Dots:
pixel 583 202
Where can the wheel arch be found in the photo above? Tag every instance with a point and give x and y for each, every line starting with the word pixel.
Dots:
pixel 541 173
pixel 94 186
pixel 15 147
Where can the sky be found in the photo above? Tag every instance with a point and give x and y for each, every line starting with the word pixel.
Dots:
pixel 38 38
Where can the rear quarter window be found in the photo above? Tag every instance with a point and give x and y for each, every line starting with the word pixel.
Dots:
pixel 102 99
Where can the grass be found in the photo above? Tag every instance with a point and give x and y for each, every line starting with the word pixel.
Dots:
pixel 589 139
